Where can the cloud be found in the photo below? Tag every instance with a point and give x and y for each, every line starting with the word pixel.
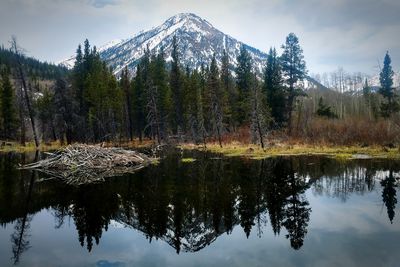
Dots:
pixel 354 34
pixel 103 3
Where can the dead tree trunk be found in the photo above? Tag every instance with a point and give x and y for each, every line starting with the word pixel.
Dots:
pixel 153 115
pixel 24 88
pixel 258 123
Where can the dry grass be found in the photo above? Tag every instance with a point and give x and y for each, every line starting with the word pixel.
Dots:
pixel 56 145
pixel 255 152
pixel 30 147
pixel 347 132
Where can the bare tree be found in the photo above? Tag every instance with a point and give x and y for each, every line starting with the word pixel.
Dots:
pixel 258 115
pixel 153 115
pixel 24 89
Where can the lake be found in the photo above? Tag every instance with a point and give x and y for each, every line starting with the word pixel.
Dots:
pixel 284 211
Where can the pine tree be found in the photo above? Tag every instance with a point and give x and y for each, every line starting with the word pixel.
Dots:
pixel 293 69
pixel 216 98
pixel 387 91
pixel 274 90
pixel 65 112
pixel 370 101
pixel 176 89
pixel 8 113
pixel 230 91
pixel 138 85
pixel 45 112
pixel 86 56
pixel 152 97
pixel 198 112
pixel 324 110
pixel 78 78
pixel 126 88
pixel 243 82
pixel 160 80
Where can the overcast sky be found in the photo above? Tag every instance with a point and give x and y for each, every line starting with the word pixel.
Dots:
pixel 354 34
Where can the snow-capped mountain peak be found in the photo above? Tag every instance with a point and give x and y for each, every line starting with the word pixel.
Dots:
pixel 197 40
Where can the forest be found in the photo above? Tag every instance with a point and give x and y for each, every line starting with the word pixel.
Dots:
pixel 166 102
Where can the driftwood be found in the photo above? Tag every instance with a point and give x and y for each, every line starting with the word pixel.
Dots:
pixel 85 164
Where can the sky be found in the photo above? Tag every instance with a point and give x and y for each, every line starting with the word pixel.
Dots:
pixel 353 34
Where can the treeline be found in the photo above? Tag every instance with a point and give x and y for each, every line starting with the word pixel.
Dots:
pixel 36 69
pixel 167 102
pixel 170 102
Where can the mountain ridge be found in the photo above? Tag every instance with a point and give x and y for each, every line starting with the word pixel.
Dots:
pixel 198 40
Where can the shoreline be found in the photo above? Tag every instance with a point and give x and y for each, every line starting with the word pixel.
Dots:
pixel 339 152
pixel 236 149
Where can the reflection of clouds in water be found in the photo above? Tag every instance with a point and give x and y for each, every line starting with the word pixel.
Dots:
pixel 195 204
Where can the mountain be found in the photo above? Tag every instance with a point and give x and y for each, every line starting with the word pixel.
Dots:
pixel 197 40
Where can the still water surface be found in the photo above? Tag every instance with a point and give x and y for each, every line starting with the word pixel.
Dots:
pixel 295 211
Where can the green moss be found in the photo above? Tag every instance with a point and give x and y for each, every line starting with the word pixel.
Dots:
pixel 188 160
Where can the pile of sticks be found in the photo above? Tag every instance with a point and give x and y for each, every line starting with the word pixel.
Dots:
pixel 84 164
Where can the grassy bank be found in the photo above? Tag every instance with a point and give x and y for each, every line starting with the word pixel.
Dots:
pixel 237 149
pixel 252 151
pixel 49 146
pixel 28 147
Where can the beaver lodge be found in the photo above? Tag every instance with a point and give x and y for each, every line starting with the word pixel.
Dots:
pixel 84 164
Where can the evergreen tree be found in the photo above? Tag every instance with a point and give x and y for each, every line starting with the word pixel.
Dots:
pixel 324 110
pixel 274 90
pixel 126 88
pixel 200 124
pixel 78 79
pixel 7 101
pixel 192 82
pixel 230 92
pixel 389 195
pixel 138 85
pixel 114 107
pixel 176 89
pixel 243 82
pixel 86 55
pixel 293 69
pixel 297 210
pixel 370 101
pixel 160 80
pixel 387 91
pixel 152 95
pixel 45 112
pixel 216 97
pixel 65 112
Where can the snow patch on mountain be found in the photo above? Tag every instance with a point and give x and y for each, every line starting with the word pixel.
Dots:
pixel 197 40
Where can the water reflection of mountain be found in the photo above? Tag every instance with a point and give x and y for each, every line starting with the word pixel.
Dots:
pixel 190 205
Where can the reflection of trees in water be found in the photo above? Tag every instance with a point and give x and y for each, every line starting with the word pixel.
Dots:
pixel 92 209
pixel 20 236
pixel 389 194
pixel 190 205
pixel 297 211
pixel 348 181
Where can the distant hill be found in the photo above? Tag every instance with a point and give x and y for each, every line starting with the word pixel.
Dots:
pixel 34 68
